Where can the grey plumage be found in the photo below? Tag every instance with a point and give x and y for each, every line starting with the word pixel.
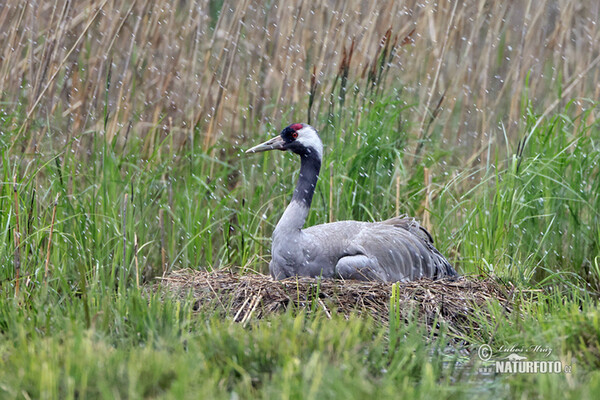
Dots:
pixel 398 249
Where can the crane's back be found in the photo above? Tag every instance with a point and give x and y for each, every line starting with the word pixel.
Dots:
pixel 398 249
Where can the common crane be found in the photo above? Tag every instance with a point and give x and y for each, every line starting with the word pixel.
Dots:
pixel 397 249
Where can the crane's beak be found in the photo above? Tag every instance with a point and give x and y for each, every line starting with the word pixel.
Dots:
pixel 277 143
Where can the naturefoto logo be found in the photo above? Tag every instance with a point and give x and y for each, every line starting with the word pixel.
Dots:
pixel 517 360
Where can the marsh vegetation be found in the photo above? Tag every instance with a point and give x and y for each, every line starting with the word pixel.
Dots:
pixel 122 130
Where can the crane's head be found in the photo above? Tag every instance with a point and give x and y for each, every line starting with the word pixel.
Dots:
pixel 301 139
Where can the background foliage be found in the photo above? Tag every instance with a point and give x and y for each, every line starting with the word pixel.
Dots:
pixel 122 130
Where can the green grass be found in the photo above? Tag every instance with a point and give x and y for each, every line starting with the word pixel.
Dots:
pixel 529 217
pixel 150 347
pixel 521 209
pixel 533 214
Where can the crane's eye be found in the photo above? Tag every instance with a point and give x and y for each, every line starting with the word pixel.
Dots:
pixel 295 135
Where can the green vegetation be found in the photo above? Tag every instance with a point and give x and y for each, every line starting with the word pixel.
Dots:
pixel 114 173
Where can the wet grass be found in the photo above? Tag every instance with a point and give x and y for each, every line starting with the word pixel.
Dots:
pixel 88 329
pixel 107 182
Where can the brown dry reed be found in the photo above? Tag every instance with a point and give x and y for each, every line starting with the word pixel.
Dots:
pixel 184 69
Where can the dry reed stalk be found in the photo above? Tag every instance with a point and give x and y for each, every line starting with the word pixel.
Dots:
pixel 50 81
pixel 255 300
pixel 518 74
pixel 237 314
pixel 46 265
pixel 216 105
pixel 203 73
pixel 11 42
pixel 434 84
pixel 124 81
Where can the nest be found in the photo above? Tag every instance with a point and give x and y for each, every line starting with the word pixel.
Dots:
pixel 254 295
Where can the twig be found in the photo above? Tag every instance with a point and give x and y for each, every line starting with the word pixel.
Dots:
pixel 237 314
pixel 325 309
pixel 257 299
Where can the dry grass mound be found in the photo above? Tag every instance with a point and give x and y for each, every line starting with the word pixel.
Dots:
pixel 243 296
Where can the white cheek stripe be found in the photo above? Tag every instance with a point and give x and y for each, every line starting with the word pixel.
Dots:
pixel 309 138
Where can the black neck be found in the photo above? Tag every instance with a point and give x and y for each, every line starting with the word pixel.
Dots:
pixel 307 181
